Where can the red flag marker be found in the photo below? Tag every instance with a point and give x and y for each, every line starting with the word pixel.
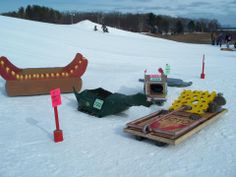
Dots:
pixel 203 68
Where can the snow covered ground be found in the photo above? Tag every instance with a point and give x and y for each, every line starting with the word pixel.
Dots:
pixel 95 147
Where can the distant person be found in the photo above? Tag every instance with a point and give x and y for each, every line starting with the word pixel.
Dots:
pixel 104 28
pixel 95 28
pixel 228 38
pixel 235 45
pixel 213 38
pixel 219 39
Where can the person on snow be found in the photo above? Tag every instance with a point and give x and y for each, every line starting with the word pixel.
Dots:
pixel 213 38
pixel 219 39
pixel 228 38
pixel 104 28
pixel 95 28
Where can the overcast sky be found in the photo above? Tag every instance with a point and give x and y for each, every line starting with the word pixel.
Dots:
pixel 222 10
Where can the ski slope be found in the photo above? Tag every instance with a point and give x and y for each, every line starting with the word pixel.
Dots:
pixel 94 147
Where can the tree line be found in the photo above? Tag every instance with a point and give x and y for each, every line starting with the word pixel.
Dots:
pixel 136 22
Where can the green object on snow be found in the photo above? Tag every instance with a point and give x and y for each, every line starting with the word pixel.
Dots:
pixel 100 102
pixel 167 70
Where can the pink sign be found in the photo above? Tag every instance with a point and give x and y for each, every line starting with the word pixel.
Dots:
pixel 154 76
pixel 56 97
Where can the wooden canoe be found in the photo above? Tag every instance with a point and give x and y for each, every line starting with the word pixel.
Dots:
pixel 35 81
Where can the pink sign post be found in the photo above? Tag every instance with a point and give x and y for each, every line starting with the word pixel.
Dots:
pixel 56 100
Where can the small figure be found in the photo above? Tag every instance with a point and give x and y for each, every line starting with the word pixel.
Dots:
pixel 104 28
pixel 213 38
pixel 219 39
pixel 95 28
pixel 228 38
pixel 235 45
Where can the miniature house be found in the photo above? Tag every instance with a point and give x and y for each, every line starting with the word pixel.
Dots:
pixel 155 87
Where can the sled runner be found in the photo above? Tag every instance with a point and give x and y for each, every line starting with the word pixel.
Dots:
pixel 35 81
pixel 179 122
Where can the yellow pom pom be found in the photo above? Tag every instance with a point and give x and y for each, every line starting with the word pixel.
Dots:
pixel 7 69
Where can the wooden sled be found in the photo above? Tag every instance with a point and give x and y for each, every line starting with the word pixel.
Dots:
pixel 35 81
pixel 170 127
pixel 228 49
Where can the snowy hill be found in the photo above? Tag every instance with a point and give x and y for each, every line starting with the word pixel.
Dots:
pixel 95 147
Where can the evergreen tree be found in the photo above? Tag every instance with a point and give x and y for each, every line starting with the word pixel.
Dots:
pixel 179 28
pixel 152 22
pixel 126 21
pixel 21 12
pixel 198 27
pixel 28 12
pixel 191 26
pixel 213 25
pixel 165 25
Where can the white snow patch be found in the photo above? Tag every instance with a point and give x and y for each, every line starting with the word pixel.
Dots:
pixel 99 147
